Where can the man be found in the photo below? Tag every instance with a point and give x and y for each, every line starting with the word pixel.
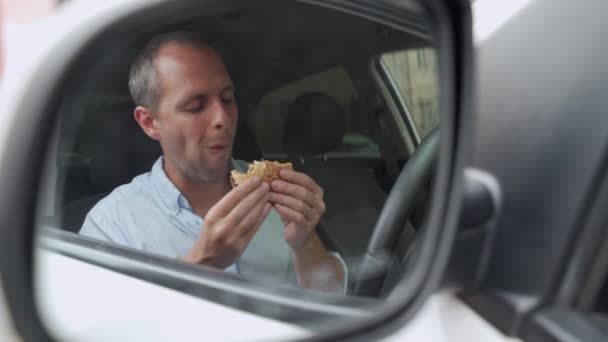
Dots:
pixel 185 206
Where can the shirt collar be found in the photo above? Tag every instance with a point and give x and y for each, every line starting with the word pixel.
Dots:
pixel 168 192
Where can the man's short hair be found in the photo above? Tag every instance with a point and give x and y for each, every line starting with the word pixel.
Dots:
pixel 143 78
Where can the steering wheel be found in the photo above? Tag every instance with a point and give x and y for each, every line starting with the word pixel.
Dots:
pixel 393 218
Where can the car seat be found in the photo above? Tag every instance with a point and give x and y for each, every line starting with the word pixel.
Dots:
pixel 315 125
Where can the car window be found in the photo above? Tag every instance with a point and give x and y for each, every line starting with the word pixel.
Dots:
pixel 317 122
pixel 274 108
pixel 414 73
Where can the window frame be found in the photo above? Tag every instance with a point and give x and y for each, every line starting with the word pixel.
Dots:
pixel 200 281
pixel 397 113
pixel 395 95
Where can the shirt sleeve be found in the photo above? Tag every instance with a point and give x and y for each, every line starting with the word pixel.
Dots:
pixel 345 269
pixel 100 228
pixel 292 277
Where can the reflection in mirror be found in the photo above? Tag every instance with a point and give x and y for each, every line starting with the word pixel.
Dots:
pixel 138 176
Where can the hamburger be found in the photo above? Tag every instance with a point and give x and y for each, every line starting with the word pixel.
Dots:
pixel 266 170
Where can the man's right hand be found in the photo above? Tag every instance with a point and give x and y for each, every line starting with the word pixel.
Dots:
pixel 230 224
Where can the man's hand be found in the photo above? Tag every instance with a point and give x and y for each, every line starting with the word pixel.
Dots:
pixel 230 224
pixel 299 202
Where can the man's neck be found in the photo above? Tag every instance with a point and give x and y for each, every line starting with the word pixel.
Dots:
pixel 201 195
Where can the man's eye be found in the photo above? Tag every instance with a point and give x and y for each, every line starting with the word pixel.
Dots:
pixel 228 99
pixel 194 107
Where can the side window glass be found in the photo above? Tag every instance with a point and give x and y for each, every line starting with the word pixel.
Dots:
pixel 273 127
pixel 414 72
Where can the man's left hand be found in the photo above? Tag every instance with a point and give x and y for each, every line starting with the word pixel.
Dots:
pixel 299 201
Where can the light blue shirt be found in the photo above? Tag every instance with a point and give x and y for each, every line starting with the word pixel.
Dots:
pixel 151 214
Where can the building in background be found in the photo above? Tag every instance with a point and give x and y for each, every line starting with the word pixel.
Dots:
pixel 415 73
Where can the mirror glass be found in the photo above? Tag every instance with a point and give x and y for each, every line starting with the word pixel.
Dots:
pixel 241 150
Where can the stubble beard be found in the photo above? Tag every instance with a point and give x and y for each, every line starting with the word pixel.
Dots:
pixel 201 173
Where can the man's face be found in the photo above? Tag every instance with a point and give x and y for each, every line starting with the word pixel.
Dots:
pixel 196 114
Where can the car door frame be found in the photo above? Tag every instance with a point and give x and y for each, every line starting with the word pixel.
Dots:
pixel 549 228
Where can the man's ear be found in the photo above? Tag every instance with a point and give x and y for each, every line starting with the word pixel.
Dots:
pixel 146 121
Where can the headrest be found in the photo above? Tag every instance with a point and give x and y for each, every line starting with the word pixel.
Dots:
pixel 106 144
pixel 315 124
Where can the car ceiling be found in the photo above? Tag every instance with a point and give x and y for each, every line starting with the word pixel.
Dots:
pixel 264 46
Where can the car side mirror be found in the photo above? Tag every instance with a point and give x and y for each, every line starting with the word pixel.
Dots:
pixel 396 73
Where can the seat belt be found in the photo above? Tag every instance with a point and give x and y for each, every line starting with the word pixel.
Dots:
pixel 386 146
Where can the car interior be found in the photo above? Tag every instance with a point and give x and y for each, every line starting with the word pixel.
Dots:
pixel 307 94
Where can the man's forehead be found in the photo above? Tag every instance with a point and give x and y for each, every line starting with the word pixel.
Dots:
pixel 191 47
pixel 177 61
pixel 175 54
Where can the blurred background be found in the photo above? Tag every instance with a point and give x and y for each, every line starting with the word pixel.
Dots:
pixel 17 19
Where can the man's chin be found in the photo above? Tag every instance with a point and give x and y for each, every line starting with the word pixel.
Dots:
pixel 213 174
pixel 207 176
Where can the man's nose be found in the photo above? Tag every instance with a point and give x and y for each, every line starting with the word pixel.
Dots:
pixel 220 114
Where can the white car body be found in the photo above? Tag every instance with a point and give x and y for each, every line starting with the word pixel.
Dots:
pixel 174 315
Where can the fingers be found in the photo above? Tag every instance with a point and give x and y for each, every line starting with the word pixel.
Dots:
pixel 249 233
pixel 301 179
pixel 234 197
pixel 294 204
pixel 250 219
pixel 265 213
pixel 290 215
pixel 296 191
pixel 246 206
